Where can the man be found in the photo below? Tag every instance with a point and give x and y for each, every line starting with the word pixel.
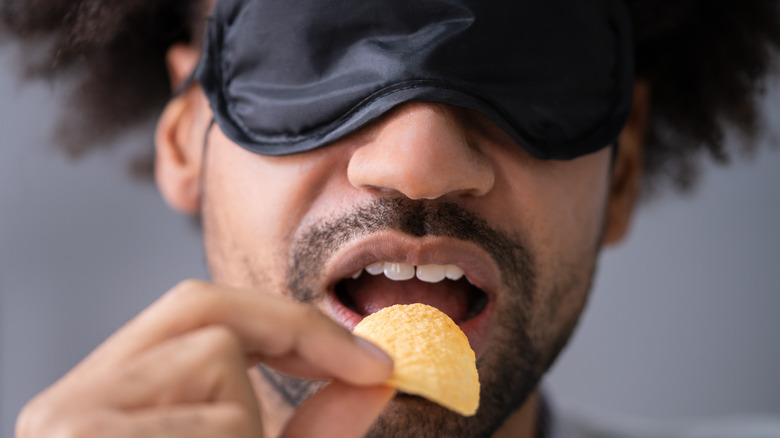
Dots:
pixel 520 197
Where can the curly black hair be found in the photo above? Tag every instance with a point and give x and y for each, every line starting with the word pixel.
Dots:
pixel 705 61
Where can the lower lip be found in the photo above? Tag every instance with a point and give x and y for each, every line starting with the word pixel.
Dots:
pixel 475 328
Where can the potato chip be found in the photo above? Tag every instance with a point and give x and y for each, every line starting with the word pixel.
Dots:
pixel 432 356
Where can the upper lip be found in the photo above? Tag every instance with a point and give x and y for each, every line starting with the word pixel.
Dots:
pixel 396 247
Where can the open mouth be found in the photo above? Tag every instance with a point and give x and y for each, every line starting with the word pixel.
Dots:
pixel 383 284
pixel 387 268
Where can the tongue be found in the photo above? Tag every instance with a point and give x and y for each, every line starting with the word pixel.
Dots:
pixel 373 293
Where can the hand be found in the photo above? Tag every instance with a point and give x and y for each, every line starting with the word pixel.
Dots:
pixel 179 369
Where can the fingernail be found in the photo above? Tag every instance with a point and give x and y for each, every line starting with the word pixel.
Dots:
pixel 372 349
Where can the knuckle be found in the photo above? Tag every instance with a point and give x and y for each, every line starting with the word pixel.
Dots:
pixel 26 422
pixel 86 426
pixel 74 428
pixel 43 422
pixel 219 340
pixel 186 287
pixel 193 296
pixel 35 418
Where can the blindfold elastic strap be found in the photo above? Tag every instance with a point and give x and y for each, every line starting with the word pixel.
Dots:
pixel 206 135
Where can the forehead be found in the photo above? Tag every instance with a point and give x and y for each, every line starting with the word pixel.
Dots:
pixel 288 77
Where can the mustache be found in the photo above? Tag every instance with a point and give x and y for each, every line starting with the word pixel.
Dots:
pixel 316 244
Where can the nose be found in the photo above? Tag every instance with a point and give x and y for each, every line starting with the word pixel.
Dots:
pixel 423 151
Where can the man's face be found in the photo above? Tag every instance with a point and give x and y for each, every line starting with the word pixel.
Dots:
pixel 427 184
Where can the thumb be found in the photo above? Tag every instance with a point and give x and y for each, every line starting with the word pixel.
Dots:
pixel 339 411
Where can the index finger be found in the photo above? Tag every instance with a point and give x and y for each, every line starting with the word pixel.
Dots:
pixel 266 325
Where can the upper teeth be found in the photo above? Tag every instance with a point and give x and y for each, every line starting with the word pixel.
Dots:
pixel 405 271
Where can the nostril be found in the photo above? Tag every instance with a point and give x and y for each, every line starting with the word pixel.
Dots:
pixel 417 180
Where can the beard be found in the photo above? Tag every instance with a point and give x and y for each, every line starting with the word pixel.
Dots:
pixel 512 363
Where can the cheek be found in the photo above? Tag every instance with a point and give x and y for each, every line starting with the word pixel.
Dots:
pixel 560 207
pixel 562 204
pixel 566 204
pixel 252 204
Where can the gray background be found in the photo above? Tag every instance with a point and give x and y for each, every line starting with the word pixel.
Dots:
pixel 683 321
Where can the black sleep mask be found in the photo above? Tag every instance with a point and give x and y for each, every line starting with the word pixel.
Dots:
pixel 289 76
